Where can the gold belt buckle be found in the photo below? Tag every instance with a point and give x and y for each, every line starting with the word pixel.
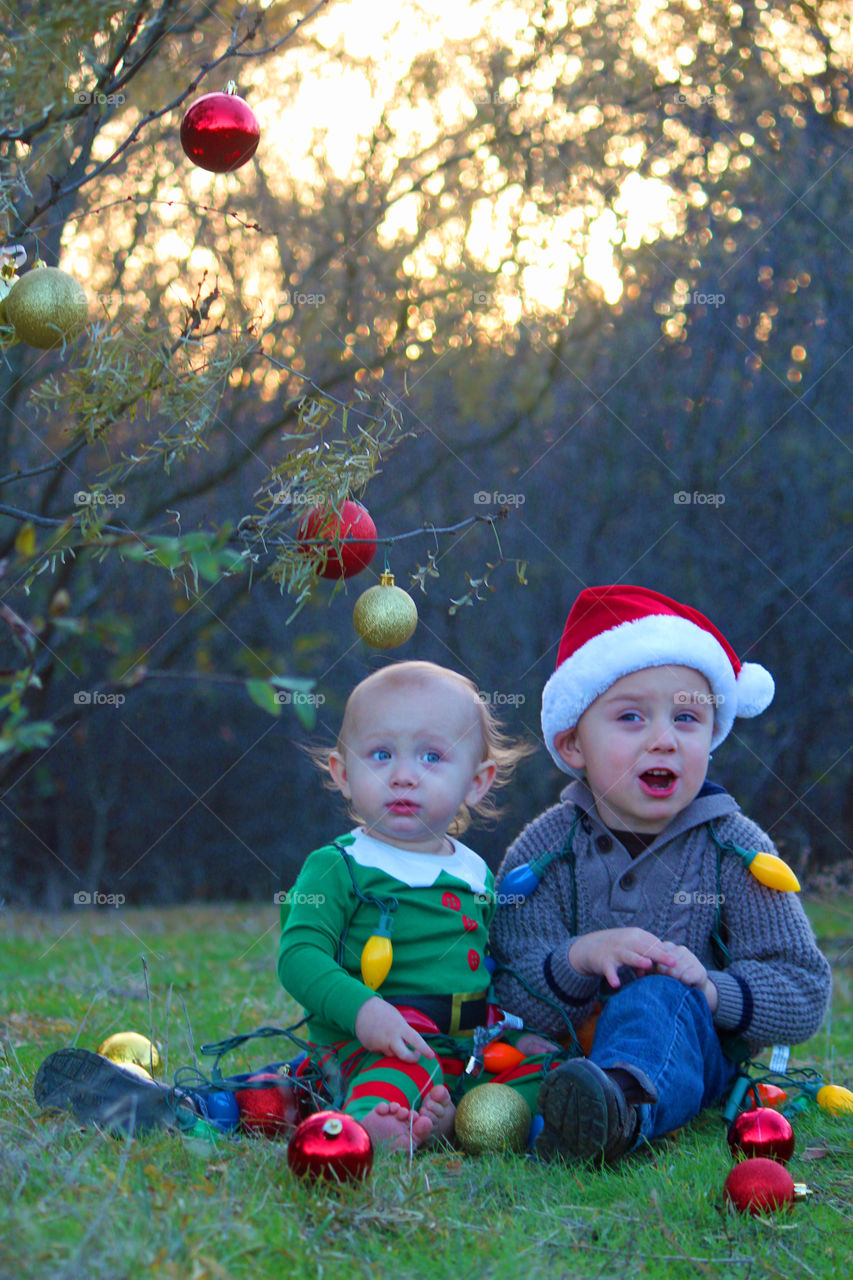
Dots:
pixel 463 997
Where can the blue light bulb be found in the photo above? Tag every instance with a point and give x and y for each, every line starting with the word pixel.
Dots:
pixel 519 883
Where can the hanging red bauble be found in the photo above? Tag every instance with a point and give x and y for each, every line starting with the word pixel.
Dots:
pixel 273 1110
pixel 759 1185
pixel 352 528
pixel 762 1132
pixel 220 132
pixel 330 1145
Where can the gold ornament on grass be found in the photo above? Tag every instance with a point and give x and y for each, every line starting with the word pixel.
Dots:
pixel 134 1069
pixel 385 616
pixel 46 307
pixel 492 1117
pixel 130 1047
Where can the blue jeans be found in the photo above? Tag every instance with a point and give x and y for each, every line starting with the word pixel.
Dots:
pixel 667 1030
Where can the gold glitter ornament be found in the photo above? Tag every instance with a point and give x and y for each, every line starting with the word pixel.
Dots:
pixel 492 1117
pixel 130 1047
pixel 46 307
pixel 385 616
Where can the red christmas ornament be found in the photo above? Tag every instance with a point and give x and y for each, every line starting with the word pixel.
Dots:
pixel 330 1145
pixel 219 132
pixel 353 526
pixel 762 1132
pixel 272 1111
pixel 758 1185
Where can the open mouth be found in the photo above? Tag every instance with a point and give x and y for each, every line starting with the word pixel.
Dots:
pixel 658 782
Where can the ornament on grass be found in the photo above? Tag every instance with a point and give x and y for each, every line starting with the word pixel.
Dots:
pixel 762 1132
pixel 46 307
pixel 385 616
pixel 351 536
pixel 220 1106
pixel 330 1145
pixel 759 1185
pixel 492 1117
pixel 131 1047
pixel 271 1109
pixel 134 1069
pixel 220 132
pixel 767 1095
pixel 835 1098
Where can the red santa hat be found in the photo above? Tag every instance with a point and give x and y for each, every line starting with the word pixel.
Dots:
pixel 612 631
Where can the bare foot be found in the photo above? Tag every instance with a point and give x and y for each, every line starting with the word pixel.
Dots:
pixel 396 1127
pixel 531 1045
pixel 440 1109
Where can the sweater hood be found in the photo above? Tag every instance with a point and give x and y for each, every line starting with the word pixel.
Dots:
pixel 712 802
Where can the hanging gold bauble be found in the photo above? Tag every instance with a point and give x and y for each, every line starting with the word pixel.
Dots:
pixel 492 1117
pixel 46 307
pixel 130 1047
pixel 385 616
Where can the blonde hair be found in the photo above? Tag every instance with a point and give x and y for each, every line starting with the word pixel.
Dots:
pixel 497 745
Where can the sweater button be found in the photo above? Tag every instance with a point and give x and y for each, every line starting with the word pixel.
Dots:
pixel 627 881
pixel 603 843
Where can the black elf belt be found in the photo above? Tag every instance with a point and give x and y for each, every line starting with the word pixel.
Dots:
pixel 456 1015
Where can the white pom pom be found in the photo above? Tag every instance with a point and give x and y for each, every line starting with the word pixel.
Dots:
pixel 755 689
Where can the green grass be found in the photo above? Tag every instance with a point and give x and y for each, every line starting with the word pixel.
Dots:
pixel 74 1203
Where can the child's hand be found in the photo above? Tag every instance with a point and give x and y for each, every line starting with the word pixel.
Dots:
pixel 605 950
pixel 382 1029
pixel 688 969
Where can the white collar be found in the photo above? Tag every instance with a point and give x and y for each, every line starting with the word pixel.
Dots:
pixel 419 870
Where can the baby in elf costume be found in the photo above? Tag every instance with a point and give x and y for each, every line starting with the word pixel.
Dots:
pixel 395 915
pixel 642 901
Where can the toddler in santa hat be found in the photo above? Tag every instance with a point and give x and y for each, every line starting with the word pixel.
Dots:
pixel 634 905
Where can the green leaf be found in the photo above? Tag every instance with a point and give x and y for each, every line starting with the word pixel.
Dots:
pixel 306 712
pixel 262 693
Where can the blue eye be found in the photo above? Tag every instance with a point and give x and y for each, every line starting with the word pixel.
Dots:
pixel 380 754
pixel 630 716
pixel 432 757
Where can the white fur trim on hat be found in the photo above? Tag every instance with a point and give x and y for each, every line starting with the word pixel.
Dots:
pixel 657 640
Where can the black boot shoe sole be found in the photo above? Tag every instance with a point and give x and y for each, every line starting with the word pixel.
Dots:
pixel 585 1115
pixel 96 1091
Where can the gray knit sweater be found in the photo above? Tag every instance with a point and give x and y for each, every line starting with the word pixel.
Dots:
pixel 776 988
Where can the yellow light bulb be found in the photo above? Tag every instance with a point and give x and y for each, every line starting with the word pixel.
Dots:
pixel 772 871
pixel 376 957
pixel 835 1098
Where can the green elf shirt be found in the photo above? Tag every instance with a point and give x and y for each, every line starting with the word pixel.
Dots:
pixel 440 928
